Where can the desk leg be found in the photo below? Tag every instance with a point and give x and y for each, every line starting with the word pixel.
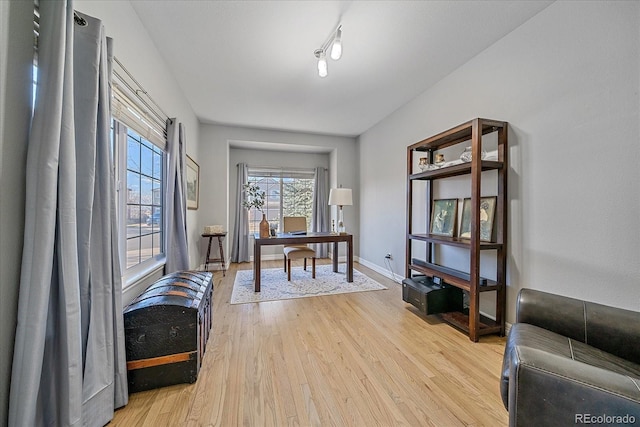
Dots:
pixel 350 260
pixel 206 260
pixel 335 257
pixel 222 261
pixel 256 267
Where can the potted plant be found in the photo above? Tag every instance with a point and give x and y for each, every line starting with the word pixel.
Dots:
pixel 255 198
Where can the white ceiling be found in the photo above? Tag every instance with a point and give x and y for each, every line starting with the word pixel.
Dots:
pixel 251 63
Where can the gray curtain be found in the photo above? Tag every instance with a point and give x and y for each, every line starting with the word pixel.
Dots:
pixel 320 212
pixel 240 244
pixel 69 365
pixel 176 200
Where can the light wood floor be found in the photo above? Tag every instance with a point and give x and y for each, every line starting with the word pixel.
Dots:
pixel 360 359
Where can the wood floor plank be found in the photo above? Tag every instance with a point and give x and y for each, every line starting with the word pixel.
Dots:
pixel 360 359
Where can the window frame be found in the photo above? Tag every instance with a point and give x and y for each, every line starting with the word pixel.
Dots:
pixel 136 272
pixel 281 175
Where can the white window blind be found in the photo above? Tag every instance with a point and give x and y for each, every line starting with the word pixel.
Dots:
pixel 129 106
pixel 265 172
pixel 137 117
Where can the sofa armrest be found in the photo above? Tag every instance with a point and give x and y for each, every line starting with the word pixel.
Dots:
pixel 611 329
pixel 547 389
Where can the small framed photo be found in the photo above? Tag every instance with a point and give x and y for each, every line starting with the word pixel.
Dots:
pixel 444 214
pixel 487 213
pixel 193 183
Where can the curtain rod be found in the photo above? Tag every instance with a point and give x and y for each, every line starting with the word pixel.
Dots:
pixel 157 111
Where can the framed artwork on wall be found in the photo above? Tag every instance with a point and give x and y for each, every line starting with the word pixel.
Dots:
pixel 487 213
pixel 444 214
pixel 193 183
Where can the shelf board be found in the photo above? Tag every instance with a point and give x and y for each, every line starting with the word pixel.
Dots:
pixel 456 135
pixel 455 170
pixel 461 321
pixel 458 282
pixel 453 241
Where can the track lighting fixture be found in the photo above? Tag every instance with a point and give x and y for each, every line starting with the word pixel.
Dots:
pixel 335 42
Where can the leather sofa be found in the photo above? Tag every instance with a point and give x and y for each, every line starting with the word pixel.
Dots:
pixel 571 362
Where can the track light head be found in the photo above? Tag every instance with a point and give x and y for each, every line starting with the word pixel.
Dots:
pixel 336 48
pixel 322 62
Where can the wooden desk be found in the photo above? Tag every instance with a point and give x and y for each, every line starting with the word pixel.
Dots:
pixel 207 260
pixel 303 239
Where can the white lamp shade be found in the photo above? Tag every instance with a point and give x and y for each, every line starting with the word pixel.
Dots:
pixel 340 197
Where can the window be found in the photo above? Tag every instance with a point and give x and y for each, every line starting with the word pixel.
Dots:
pixel 139 143
pixel 289 193
pixel 141 172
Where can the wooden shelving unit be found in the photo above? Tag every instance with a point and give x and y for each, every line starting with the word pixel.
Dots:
pixel 469 133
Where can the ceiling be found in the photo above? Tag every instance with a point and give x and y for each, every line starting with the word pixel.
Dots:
pixel 251 63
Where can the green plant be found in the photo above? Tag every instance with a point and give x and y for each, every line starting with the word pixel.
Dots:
pixel 255 197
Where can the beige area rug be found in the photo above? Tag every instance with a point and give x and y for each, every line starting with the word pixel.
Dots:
pixel 274 285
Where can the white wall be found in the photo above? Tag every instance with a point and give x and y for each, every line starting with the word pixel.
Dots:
pixel 137 52
pixel 567 81
pixel 216 192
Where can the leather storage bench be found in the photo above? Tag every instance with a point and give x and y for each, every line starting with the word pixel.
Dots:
pixel 166 330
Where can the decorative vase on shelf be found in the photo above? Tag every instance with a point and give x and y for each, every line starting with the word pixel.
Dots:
pixel 424 163
pixel 467 157
pixel 264 227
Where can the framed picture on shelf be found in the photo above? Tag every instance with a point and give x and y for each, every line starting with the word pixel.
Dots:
pixel 487 213
pixel 444 214
pixel 193 183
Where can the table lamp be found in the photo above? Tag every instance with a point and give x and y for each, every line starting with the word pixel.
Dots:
pixel 340 197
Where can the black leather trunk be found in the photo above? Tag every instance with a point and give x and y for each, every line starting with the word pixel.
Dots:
pixel 166 330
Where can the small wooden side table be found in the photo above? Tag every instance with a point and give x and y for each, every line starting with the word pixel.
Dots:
pixel 207 260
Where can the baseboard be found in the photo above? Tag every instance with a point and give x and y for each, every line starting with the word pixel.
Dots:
pixel 507 325
pixel 383 271
pixel 215 266
pixel 269 257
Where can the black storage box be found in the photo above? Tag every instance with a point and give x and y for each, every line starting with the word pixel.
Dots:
pixel 166 330
pixel 431 298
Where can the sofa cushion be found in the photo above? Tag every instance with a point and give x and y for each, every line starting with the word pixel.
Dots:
pixel 523 334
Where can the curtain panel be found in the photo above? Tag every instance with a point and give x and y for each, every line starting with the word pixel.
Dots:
pixel 240 242
pixel 69 366
pixel 177 251
pixel 320 212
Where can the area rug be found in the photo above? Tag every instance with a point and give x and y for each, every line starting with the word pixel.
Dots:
pixel 274 285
